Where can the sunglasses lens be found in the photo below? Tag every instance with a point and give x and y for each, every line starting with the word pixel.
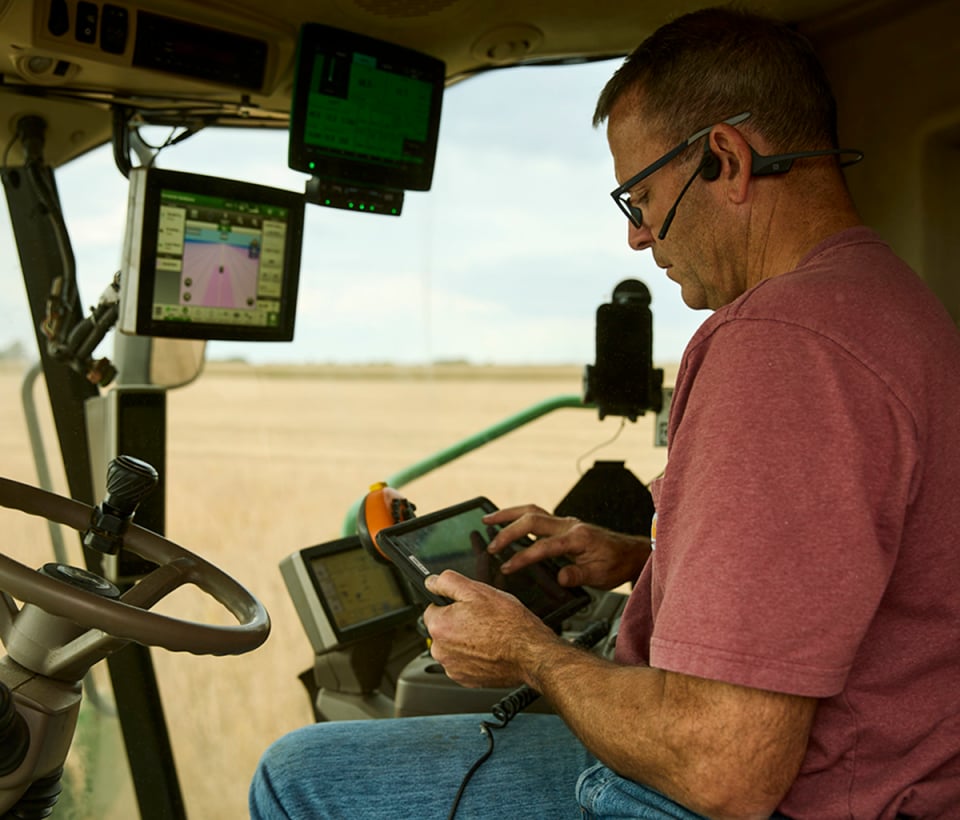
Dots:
pixel 632 212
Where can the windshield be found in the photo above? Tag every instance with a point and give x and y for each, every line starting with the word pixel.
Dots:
pixel 502 261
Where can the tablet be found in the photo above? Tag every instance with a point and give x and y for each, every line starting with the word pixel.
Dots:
pixel 456 538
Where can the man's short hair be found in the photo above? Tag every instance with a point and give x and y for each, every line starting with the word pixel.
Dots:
pixel 714 63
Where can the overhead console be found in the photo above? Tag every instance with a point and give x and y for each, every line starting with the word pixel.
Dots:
pixel 189 50
pixel 102 36
pixel 364 119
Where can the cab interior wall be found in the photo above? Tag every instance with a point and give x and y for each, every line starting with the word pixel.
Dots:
pixel 941 181
pixel 895 82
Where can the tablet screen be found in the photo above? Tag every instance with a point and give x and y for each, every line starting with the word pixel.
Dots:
pixel 456 538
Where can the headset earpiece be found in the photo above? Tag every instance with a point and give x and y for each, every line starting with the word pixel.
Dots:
pixel 710 166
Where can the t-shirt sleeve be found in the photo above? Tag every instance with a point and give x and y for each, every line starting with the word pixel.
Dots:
pixel 780 511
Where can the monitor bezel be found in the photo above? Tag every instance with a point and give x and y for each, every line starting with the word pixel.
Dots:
pixel 158 180
pixel 356 171
pixel 371 626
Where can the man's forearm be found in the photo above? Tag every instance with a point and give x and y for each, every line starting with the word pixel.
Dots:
pixel 722 750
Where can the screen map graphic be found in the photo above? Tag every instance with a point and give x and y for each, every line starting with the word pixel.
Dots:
pixel 219 260
pixel 356 588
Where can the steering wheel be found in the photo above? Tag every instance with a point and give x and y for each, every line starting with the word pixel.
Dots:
pixel 128 618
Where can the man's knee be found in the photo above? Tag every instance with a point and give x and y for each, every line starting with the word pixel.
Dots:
pixel 265 802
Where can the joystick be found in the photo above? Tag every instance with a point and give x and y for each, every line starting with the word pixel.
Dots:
pixel 129 481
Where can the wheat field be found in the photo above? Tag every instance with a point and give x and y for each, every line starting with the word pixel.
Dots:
pixel 263 461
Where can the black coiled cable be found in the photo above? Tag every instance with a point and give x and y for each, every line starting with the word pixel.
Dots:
pixel 507 708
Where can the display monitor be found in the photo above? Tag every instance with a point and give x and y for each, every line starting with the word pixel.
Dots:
pixel 343 595
pixel 210 258
pixel 364 112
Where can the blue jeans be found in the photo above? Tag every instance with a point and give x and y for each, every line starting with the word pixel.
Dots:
pixel 413 767
pixel 604 795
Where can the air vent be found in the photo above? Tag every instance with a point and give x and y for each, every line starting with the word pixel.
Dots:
pixel 507 44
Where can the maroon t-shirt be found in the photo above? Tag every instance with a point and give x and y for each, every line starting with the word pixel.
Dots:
pixel 808 525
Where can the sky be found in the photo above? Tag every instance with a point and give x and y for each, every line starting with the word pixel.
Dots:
pixel 504 261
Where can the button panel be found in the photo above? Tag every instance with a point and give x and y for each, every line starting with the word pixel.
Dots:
pixel 114 29
pixel 159 43
pixel 87 14
pixel 110 25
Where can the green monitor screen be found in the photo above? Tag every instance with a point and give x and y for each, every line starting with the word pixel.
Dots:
pixel 364 111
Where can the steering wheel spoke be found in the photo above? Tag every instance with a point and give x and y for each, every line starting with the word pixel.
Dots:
pixel 159 583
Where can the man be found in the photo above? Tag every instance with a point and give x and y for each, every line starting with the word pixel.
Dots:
pixel 791 645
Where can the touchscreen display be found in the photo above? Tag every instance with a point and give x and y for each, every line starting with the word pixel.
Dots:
pixel 457 539
pixel 355 588
pixel 364 111
pixel 210 258
pixel 343 595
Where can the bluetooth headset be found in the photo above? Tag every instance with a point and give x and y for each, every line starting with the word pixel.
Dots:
pixel 761 166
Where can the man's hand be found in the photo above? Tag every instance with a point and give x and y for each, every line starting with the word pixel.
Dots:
pixel 483 637
pixel 601 558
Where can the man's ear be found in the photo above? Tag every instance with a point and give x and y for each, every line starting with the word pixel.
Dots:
pixel 731 160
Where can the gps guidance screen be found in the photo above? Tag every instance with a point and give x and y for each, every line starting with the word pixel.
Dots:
pixel 219 260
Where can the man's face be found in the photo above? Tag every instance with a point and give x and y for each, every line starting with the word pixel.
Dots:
pixel 690 252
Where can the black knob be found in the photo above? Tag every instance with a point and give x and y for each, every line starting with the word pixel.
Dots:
pixel 129 481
